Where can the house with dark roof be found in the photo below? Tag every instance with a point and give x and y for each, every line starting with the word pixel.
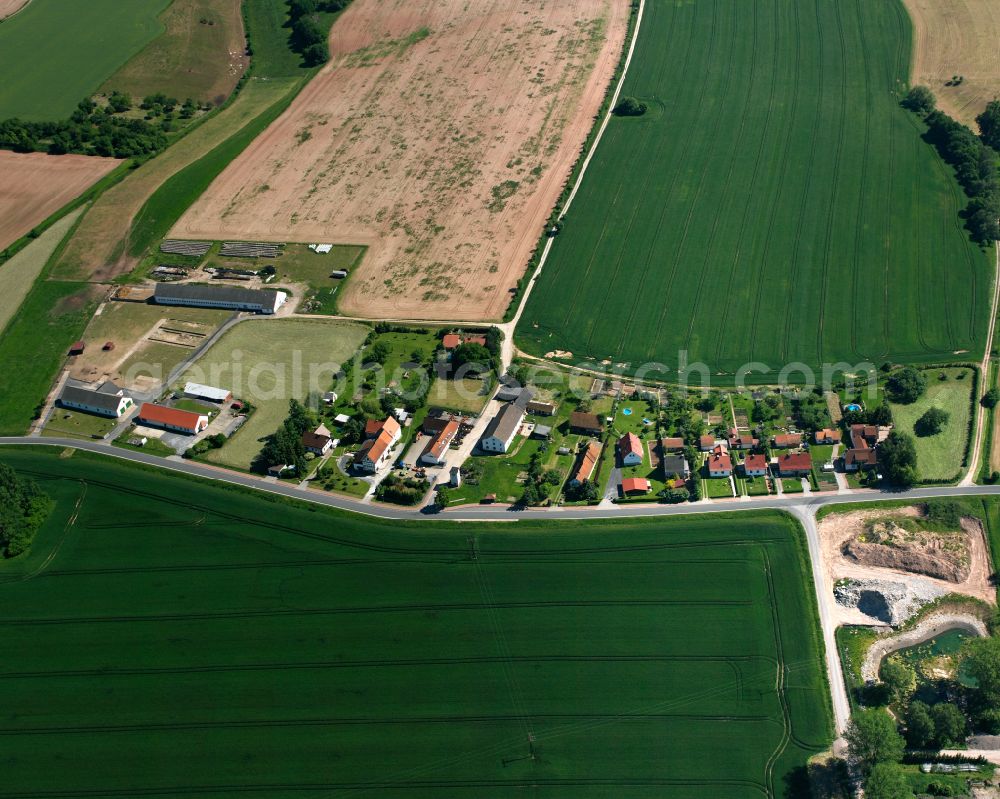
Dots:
pixel 318 441
pixel 587 424
pixel 106 400
pixel 503 427
pixel 675 465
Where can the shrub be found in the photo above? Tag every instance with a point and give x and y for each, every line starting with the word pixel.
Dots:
pixel 920 100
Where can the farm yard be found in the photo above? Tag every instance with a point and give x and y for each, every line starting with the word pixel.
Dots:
pixel 432 659
pixel 72 48
pixel 439 135
pixel 957 37
pixel 200 54
pixel 268 362
pixel 149 341
pixel 36 185
pixel 841 242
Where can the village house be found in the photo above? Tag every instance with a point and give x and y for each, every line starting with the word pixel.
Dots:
pixel 755 466
pixel 437 450
pixel 795 464
pixel 827 436
pixel 172 419
pixel 675 444
pixel 738 440
pixel 706 443
pixel 719 463
pixel 588 460
pixel 503 427
pixel 787 440
pixel 106 400
pixel 541 408
pixel 318 441
pixel 861 454
pixel 630 450
pixel 377 449
pixel 675 465
pixel 586 424
pixel 374 428
pixel 451 340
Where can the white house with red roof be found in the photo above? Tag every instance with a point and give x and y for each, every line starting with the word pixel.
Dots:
pixel 630 449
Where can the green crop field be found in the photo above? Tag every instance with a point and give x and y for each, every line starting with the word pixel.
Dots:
pixel 54 53
pixel 172 637
pixel 774 204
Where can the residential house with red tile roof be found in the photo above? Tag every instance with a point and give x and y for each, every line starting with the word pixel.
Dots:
pixel 630 449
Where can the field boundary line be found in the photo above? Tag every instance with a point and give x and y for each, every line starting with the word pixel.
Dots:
pixel 512 324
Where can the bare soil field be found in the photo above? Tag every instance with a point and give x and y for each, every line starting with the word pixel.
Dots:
pixel 97 250
pixel 36 185
pixel 440 135
pixel 957 37
pixel 199 55
pixel 11 7
pixel 838 528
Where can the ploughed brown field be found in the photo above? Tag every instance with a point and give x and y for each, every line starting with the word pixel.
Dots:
pixel 440 135
pixel 957 37
pixel 8 7
pixel 36 185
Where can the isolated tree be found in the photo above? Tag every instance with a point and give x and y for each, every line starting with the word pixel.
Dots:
pixel 919 725
pixel 899 677
pixel 989 125
pixel 897 458
pixel 931 422
pixel 920 100
pixel 630 107
pixel 872 739
pixel 887 781
pixel 443 496
pixel 949 724
pixel 907 385
pixel 991 398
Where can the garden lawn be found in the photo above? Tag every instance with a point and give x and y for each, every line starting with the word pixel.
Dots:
pixel 464 396
pixel 65 423
pixel 843 244
pixel 425 655
pixel 499 474
pixel 269 362
pixel 54 53
pixel 939 457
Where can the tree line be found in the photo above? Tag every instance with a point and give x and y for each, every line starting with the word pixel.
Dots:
pixel 972 156
pixel 308 37
pixel 94 129
pixel 23 508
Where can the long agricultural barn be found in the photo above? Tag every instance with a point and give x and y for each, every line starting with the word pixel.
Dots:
pixel 210 393
pixel 266 301
pixel 107 400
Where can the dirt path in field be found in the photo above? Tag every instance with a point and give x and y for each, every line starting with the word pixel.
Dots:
pixel 9 8
pixel 957 37
pixel 33 186
pixel 439 135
